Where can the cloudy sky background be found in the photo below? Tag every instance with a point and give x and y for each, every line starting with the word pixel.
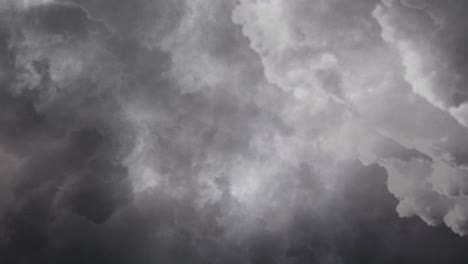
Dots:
pixel 247 131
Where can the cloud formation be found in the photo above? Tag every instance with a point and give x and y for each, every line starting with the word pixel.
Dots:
pixel 232 132
pixel 374 67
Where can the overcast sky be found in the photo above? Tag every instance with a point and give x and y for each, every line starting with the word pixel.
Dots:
pixel 233 131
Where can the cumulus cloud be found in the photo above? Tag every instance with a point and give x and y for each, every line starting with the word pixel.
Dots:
pixel 380 103
pixel 423 36
pixel 231 132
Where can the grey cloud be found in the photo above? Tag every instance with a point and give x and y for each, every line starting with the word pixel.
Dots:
pixel 432 50
pixel 420 38
pixel 147 21
pixel 63 20
pixel 219 132
pixel 51 147
pixel 449 180
pixel 419 4
pixel 381 109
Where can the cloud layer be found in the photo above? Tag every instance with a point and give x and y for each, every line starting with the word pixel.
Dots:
pixel 232 132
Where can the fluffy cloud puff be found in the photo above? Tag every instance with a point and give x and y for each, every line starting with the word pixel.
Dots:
pixel 383 97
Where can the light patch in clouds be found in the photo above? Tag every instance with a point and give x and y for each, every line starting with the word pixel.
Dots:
pixel 23 4
pixel 359 125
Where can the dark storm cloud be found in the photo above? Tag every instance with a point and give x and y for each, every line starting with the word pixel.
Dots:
pixel 65 161
pixel 63 119
pixel 208 132
pixel 147 21
pixel 60 20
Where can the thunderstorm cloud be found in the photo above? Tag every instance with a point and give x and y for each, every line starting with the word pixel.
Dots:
pixel 233 131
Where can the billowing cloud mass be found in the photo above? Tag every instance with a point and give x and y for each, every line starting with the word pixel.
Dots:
pixel 272 131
